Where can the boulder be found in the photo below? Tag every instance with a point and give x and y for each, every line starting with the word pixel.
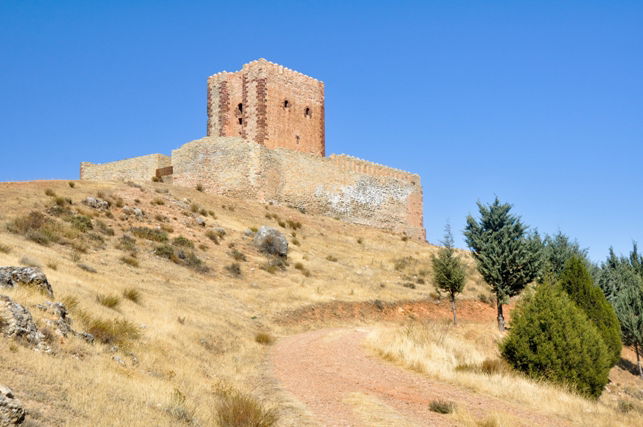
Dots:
pixel 10 277
pixel 16 321
pixel 61 322
pixel 133 211
pixel 96 203
pixel 200 221
pixel 11 410
pixel 271 241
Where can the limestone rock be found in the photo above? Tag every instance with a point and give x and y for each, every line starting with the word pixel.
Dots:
pixel 96 203
pixel 10 277
pixel 133 211
pixel 271 241
pixel 61 323
pixel 16 321
pixel 11 410
pixel 200 221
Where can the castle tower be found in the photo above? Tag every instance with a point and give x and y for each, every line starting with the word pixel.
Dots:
pixel 270 105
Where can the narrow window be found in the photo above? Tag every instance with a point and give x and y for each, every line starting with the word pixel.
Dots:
pixel 286 103
pixel 240 120
pixel 240 107
pixel 307 112
pixel 297 139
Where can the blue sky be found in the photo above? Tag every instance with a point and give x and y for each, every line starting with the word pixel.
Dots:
pixel 538 102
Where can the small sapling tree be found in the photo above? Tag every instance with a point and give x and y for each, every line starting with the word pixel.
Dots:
pixel 507 256
pixel 448 271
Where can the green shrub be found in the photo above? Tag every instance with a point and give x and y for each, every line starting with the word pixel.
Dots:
pixel 182 242
pixel 212 235
pixel 104 228
pixel 81 223
pixel 126 243
pixel 577 282
pixel 239 409
pixel 181 257
pixel 150 234
pixel 36 227
pixel 552 339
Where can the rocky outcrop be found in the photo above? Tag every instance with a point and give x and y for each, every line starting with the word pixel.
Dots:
pixel 10 277
pixel 11 410
pixel 271 241
pixel 16 321
pixel 96 203
pixel 61 322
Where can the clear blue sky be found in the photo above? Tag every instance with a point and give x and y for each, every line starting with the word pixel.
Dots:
pixel 538 102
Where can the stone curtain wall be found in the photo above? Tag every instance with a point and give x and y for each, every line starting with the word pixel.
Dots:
pixel 280 108
pixel 350 189
pixel 135 169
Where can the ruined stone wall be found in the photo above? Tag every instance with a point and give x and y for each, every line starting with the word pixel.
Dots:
pixel 350 189
pixel 135 169
pixel 270 105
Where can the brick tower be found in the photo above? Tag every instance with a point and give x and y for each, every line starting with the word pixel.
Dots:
pixel 270 105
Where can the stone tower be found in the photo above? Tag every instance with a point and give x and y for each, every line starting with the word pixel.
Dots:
pixel 270 105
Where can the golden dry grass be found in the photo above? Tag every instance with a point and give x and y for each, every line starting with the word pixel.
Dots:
pixel 450 354
pixel 197 330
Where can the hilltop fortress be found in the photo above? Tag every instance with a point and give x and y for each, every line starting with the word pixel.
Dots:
pixel 265 141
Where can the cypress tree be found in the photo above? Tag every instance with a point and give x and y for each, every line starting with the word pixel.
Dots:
pixel 552 339
pixel 576 281
pixel 507 256
pixel 448 271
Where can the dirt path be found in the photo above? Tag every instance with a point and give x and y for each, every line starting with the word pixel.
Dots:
pixel 326 369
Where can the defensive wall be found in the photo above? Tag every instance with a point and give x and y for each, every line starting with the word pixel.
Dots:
pixel 266 142
pixel 340 186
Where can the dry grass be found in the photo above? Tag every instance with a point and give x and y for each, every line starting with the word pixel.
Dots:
pixel 215 341
pixel 468 356
pixel 264 338
pixel 237 409
pixel 109 301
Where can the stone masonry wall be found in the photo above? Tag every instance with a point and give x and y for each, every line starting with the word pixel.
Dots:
pixel 350 189
pixel 270 105
pixel 135 169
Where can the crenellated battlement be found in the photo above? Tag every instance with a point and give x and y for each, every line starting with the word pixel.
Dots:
pixel 266 141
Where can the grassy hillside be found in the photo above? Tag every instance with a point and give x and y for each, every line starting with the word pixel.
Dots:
pixel 185 308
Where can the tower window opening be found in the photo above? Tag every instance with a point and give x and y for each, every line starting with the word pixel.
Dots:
pixel 240 107
pixel 240 120
pixel 286 103
pixel 297 139
pixel 307 112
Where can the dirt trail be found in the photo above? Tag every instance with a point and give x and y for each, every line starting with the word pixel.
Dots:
pixel 323 368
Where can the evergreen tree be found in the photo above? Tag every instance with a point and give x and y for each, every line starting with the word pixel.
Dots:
pixel 576 281
pixel 557 249
pixel 448 271
pixel 621 279
pixel 551 338
pixel 507 256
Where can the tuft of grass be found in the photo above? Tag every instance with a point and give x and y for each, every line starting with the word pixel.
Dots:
pixel 37 227
pixel 72 184
pixel 118 331
pixel 254 229
pixel 234 269
pixel 158 202
pixel 150 234
pixel 104 228
pixel 49 192
pixel 167 228
pixel 81 223
pixel 30 262
pixel 442 406
pixel 238 256
pixel 181 257
pixel 264 338
pixel 404 263
pixel 295 225
pixel 130 260
pixel 212 235
pixel 126 243
pixel 194 208
pixel 182 242
pixel 199 187
pixel 87 268
pixel 360 240
pixel 109 301
pixel 179 409
pixel 239 409
pixel 132 294
pixel 331 258
pixel 52 265
pixel 5 249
